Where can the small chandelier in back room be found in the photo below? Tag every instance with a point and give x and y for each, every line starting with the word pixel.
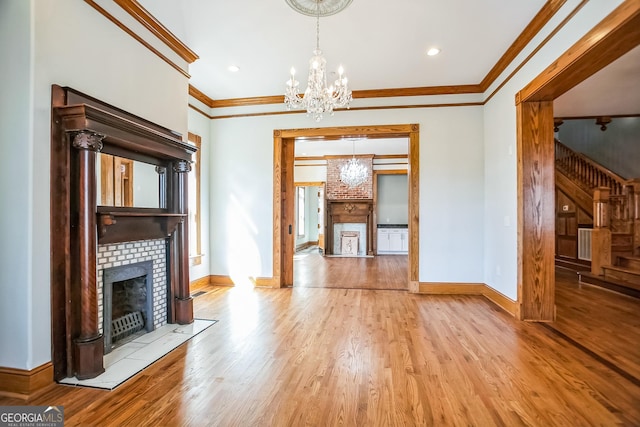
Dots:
pixel 353 173
pixel 318 98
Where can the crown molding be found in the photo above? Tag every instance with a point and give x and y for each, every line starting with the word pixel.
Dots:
pixel 138 12
pixel 357 94
pixel 244 102
pixel 142 15
pixel 615 35
pixel 417 91
pixel 537 23
pixel 136 37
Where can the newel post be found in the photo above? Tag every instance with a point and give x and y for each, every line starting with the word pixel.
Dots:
pixel 601 235
pixel 88 345
pixel 183 300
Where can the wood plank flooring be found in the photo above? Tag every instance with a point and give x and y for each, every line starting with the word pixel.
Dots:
pixel 312 270
pixel 586 312
pixel 325 357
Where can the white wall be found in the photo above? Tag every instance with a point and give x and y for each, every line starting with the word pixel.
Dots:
pixel 393 199
pixel 310 174
pixel 451 189
pixel 16 149
pixel 72 45
pixel 500 233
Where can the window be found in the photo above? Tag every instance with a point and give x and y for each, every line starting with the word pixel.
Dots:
pixel 195 235
pixel 301 212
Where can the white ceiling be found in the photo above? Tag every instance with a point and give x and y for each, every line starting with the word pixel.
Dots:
pixel 614 90
pixel 381 45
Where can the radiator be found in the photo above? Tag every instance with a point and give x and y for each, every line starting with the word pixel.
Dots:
pixel 584 244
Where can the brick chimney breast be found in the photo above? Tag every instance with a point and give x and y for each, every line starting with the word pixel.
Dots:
pixel 336 190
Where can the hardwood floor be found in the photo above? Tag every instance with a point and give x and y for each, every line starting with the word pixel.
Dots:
pixel 324 357
pixel 586 312
pixel 312 270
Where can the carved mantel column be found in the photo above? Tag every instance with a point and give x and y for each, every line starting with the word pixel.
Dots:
pixel 601 234
pixel 88 345
pixel 183 300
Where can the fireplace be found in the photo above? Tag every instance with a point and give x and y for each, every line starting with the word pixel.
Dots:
pixel 82 127
pixel 128 302
pixel 130 261
pixel 355 215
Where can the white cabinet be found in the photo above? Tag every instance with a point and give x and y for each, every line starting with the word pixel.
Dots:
pixel 404 241
pixel 383 240
pixel 393 240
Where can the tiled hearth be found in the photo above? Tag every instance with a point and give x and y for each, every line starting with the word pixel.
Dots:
pixel 129 359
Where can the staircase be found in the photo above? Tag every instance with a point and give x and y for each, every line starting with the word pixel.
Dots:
pixel 623 277
pixel 614 205
pixel 626 271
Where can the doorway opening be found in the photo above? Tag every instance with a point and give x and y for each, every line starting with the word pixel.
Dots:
pixel 284 190
pixel 614 36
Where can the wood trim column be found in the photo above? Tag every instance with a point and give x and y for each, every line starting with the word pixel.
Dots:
pixel 413 172
pixel 88 345
pixel 370 235
pixel 601 233
pixel 183 300
pixel 536 212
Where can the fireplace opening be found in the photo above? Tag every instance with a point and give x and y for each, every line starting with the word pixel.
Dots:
pixel 349 242
pixel 349 239
pixel 128 303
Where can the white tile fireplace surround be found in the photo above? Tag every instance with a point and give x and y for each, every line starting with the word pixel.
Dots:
pixel 121 254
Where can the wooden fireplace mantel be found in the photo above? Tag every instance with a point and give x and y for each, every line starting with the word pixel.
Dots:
pixel 349 211
pixel 81 128
pixel 116 226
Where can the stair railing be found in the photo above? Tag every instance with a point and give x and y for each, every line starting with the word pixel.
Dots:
pixel 586 172
pixel 616 202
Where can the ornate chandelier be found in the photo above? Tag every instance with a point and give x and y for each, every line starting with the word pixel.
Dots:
pixel 318 98
pixel 353 173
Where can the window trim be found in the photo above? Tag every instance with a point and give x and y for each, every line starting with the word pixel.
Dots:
pixel 197 141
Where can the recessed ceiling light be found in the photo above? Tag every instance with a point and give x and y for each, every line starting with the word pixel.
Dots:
pixel 433 51
pixel 234 68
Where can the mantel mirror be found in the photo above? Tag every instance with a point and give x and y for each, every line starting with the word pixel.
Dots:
pixel 125 182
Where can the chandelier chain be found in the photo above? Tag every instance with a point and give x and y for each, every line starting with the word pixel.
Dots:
pixel 318 26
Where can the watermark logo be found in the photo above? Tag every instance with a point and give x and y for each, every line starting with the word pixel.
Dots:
pixel 31 416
